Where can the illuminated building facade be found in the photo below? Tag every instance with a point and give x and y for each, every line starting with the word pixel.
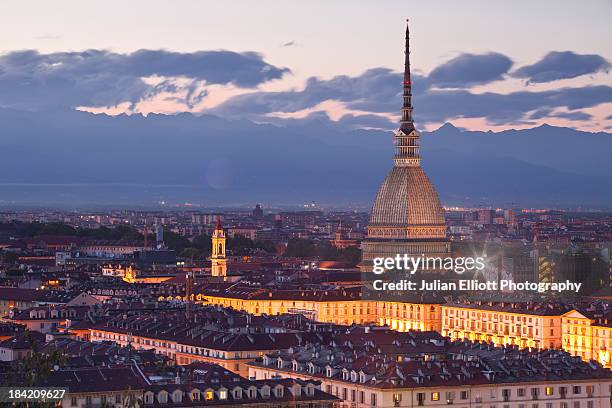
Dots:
pixel 525 326
pixel 504 324
pixel 407 217
pixel 588 334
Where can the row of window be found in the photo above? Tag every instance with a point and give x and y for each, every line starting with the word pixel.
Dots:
pixel 575 404
pixel 493 316
pixel 179 347
pixel 450 397
pixel 251 393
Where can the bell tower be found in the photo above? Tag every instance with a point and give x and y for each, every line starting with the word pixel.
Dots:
pixel 217 258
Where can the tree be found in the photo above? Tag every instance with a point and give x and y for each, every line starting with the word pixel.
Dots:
pixel 9 257
pixel 300 248
pixel 191 253
pixel 175 241
pixel 352 255
pixel 57 228
pixel 203 243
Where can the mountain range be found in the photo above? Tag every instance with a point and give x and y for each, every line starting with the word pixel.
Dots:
pixel 72 157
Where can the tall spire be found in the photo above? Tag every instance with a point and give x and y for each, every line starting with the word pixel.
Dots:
pixel 407 138
pixel 407 95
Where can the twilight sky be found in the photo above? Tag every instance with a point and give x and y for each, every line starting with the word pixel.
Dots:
pixel 479 64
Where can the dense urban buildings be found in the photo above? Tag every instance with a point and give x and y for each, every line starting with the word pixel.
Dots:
pixel 274 307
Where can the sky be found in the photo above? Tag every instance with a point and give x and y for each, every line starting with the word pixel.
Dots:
pixel 478 64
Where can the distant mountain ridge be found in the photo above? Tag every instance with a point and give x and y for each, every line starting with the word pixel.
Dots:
pixel 77 157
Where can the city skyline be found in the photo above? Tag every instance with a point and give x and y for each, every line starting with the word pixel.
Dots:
pixel 254 204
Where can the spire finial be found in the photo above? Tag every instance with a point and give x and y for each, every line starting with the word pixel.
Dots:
pixel 218 222
pixel 407 105
pixel 407 138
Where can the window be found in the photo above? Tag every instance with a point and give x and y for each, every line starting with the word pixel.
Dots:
pixel 118 399
pixel 88 400
pixel 450 397
pixel 464 395
pixel 373 399
pixel 397 399
pixel 435 396
pixel 73 402
pixel 577 389
pixel 548 391
pixel 361 397
pixel 506 394
pixel 520 392
pixel 209 395
pixel 576 404
pixel 420 399
pixel 589 390
pixel 534 393
pixel 162 397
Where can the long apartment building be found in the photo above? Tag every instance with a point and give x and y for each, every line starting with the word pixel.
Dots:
pixel 524 324
pixel 426 372
pixel 344 305
pixel 227 338
pixel 527 325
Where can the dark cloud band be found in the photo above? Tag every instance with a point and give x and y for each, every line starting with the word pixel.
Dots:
pixel 32 80
pixel 562 65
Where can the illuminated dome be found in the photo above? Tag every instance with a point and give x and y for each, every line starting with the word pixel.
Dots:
pixel 407 206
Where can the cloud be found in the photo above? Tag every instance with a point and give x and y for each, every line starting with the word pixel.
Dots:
pixel 47 37
pixel 438 106
pixel 573 115
pixel 98 78
pixel 467 70
pixel 378 91
pixel 367 121
pixel 291 43
pixel 576 115
pixel 31 80
pixel 562 65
